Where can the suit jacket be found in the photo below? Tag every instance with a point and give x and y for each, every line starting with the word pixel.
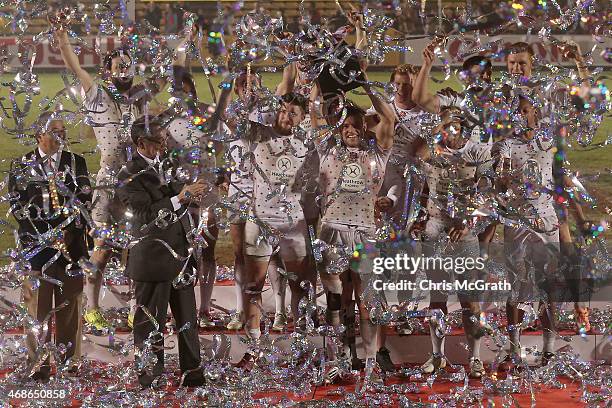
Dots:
pixel 150 259
pixel 29 185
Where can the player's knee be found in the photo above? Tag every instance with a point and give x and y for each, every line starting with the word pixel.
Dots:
pixel 254 287
pixel 331 283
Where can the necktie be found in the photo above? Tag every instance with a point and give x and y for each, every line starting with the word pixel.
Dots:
pixel 60 245
pixel 50 164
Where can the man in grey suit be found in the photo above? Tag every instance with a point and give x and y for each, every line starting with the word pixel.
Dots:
pixel 160 261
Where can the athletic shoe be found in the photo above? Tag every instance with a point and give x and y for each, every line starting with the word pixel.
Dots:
pixel 509 362
pixel 546 357
pixel 331 375
pixel 357 364
pixel 280 322
pixel 95 318
pixel 477 369
pixel 434 363
pixel 373 374
pixel 384 360
pixel 404 329
pixel 235 322
pixel 246 363
pixel 204 320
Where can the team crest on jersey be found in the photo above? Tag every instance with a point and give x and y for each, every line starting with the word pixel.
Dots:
pixel 283 170
pixel 353 178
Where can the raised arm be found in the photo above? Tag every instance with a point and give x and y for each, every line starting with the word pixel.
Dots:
pixel 386 128
pixel 288 82
pixel 180 54
pixel 314 97
pixel 421 94
pixel 355 17
pixel 571 49
pixel 421 155
pixel 574 204
pixel 222 103
pixel 180 57
pixel 71 60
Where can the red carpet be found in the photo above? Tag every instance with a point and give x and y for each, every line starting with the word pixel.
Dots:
pixel 545 397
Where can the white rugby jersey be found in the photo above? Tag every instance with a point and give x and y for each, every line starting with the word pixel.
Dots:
pixel 532 163
pixel 278 175
pixel 407 131
pixel 112 122
pixel 350 179
pixel 454 171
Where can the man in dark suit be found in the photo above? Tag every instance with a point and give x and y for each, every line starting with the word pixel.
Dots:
pixel 160 261
pixel 49 189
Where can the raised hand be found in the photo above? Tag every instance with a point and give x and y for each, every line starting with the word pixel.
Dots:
pixel 428 56
pixel 60 19
pixel 428 52
pixel 355 18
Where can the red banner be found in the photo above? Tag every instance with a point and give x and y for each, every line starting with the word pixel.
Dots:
pixel 48 56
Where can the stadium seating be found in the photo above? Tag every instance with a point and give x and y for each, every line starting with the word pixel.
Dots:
pixel 288 9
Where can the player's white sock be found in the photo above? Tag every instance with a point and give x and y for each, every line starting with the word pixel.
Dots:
pixel 332 349
pixel 437 343
pixel 254 334
pixel 237 285
pixel 208 275
pixel 333 319
pixel 369 335
pixel 89 294
pixel 470 326
pixel 549 341
pixel 92 290
pixel 474 345
pixel 279 287
pixel 132 305
pixel 238 293
pixel 515 341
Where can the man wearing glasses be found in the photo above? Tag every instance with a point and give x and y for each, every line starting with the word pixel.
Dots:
pixel 160 258
pixel 49 188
